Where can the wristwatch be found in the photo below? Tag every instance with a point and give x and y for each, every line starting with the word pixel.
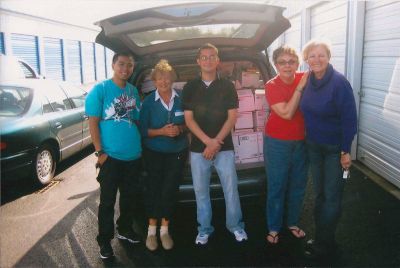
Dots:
pixel 98 153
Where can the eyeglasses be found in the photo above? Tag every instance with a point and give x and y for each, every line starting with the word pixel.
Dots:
pixel 283 62
pixel 210 58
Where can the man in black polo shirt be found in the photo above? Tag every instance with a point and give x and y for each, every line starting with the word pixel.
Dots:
pixel 210 105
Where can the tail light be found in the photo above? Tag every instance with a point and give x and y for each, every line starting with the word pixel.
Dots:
pixel 3 146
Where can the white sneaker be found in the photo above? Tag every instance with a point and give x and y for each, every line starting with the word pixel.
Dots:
pixel 201 239
pixel 240 235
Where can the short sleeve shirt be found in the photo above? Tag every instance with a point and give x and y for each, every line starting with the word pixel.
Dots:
pixel 118 109
pixel 210 107
pixel 276 91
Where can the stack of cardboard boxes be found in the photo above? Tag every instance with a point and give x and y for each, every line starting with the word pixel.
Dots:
pixel 252 114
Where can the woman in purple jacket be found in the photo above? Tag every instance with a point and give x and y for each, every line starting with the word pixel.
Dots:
pixel 330 117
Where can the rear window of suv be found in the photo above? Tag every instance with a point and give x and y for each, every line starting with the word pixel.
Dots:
pixel 153 37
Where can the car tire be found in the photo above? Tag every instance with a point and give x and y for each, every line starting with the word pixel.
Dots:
pixel 44 164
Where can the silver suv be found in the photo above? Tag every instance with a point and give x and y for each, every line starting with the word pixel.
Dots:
pixel 241 32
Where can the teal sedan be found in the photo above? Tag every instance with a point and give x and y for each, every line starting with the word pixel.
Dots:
pixel 42 122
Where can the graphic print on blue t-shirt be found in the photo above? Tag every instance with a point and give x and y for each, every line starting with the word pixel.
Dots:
pixel 120 108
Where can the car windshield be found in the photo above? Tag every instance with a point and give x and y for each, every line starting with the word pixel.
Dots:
pixel 153 37
pixel 14 101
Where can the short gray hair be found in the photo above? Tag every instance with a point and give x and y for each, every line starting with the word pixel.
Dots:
pixel 316 43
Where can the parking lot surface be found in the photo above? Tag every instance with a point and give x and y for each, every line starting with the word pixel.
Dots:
pixel 58 228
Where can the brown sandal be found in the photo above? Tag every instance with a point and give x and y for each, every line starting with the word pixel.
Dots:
pixel 273 238
pixel 297 232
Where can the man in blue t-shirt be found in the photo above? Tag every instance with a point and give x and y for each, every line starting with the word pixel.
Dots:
pixel 113 109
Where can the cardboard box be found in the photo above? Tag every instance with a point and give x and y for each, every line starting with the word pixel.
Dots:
pixel 260 118
pixel 246 148
pixel 235 140
pixel 260 142
pixel 178 85
pixel 244 120
pixel 250 79
pixel 260 102
pixel 246 100
pixel 243 131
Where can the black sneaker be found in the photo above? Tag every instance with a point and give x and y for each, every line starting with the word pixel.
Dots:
pixel 315 250
pixel 106 250
pixel 130 236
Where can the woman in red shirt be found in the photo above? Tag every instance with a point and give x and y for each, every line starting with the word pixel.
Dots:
pixel 284 148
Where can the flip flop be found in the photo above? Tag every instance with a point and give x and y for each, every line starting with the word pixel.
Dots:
pixel 297 232
pixel 273 238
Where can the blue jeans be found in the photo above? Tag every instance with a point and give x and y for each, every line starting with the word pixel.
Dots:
pixel 224 164
pixel 286 168
pixel 327 174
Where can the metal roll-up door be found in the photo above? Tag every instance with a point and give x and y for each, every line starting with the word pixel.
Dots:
pixel 293 34
pixel 73 62
pixel 25 47
pixel 53 58
pixel 109 56
pixel 379 116
pixel 2 51
pixel 329 20
pixel 88 63
pixel 100 62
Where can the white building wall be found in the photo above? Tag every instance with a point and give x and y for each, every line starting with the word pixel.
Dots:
pixel 292 36
pixel 379 120
pixel 329 21
pixel 12 23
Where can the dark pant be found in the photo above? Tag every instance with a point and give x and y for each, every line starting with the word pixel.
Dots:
pixel 123 176
pixel 162 183
pixel 328 183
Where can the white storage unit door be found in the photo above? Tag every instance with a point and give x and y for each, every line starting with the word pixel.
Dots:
pixel 2 51
pixel 292 36
pixel 88 63
pixel 100 62
pixel 53 58
pixel 73 62
pixel 109 56
pixel 25 47
pixel 329 21
pixel 379 117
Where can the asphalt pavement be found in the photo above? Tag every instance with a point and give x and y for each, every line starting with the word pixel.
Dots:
pixel 58 226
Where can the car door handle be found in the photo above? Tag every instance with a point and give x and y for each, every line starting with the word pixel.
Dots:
pixel 58 125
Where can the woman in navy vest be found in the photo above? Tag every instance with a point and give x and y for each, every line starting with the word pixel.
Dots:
pixel 165 152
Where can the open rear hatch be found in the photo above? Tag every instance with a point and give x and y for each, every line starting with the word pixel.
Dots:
pixel 186 26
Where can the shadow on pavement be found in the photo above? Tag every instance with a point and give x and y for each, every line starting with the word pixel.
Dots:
pixel 368 235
